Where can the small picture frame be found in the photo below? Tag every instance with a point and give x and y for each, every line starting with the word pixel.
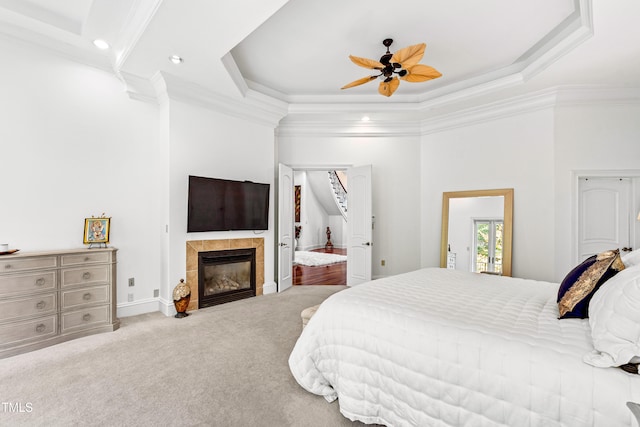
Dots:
pixel 96 230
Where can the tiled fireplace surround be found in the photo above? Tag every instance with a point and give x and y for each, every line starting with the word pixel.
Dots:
pixel 195 246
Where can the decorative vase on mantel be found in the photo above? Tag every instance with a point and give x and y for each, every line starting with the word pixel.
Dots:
pixel 181 298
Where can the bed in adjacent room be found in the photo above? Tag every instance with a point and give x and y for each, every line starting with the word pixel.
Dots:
pixel 438 347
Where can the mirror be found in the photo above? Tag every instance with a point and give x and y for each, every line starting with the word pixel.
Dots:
pixel 477 230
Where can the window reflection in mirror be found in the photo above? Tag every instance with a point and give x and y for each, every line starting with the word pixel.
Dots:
pixel 477 230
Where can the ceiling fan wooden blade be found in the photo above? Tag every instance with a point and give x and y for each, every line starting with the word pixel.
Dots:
pixel 387 88
pixel 359 82
pixel 410 55
pixel 421 73
pixel 366 62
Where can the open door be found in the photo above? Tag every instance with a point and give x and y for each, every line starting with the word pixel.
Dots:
pixel 285 227
pixel 359 225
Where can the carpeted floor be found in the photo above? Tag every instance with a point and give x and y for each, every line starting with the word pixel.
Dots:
pixel 221 366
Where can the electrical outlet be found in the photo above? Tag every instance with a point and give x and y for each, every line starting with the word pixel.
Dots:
pixel 132 281
pixel 130 298
pixel 383 262
pixel 156 293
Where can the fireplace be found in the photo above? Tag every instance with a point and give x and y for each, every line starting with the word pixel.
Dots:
pixel 226 275
pixel 195 247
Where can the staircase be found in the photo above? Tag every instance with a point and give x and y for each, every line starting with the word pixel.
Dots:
pixel 339 192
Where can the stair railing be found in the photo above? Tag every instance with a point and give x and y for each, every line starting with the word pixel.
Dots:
pixel 339 193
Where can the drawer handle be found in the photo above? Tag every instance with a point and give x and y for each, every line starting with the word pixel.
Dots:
pixel 86 259
pixel 41 305
pixel 86 317
pixel 41 328
pixel 86 296
pixel 40 281
pixel 86 275
pixel 7 266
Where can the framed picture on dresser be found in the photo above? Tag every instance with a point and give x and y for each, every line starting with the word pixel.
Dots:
pixel 96 230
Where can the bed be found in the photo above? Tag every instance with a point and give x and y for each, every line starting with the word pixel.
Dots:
pixel 438 347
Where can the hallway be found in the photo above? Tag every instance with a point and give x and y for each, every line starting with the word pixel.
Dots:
pixel 331 274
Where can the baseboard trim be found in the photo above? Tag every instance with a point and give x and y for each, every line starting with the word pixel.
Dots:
pixel 269 288
pixel 127 309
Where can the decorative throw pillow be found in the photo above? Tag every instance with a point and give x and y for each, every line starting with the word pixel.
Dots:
pixel 631 259
pixel 614 317
pixel 583 281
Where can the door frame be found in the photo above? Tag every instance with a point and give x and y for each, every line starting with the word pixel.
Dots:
pixel 633 174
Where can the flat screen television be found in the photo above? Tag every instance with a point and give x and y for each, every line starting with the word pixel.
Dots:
pixel 223 205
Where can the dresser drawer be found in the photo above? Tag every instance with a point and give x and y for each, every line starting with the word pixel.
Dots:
pixel 79 297
pixel 9 265
pixel 29 330
pixel 85 258
pixel 86 318
pixel 84 276
pixel 28 306
pixel 27 283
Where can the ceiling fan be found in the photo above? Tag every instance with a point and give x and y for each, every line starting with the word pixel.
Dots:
pixel 402 64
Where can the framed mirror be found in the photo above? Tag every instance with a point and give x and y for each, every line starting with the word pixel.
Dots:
pixel 477 230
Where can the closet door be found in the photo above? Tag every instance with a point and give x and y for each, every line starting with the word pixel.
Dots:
pixel 603 215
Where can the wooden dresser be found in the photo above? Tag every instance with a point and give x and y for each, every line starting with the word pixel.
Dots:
pixel 50 297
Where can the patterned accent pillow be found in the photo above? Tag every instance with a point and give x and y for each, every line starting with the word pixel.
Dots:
pixel 583 281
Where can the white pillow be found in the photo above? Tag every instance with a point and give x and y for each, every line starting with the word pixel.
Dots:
pixel 631 259
pixel 614 317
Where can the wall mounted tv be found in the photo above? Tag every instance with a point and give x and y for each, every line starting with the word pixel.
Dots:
pixel 223 205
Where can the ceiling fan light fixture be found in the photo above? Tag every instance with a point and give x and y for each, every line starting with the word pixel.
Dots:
pixel 392 67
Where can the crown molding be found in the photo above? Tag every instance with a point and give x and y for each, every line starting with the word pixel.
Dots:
pixel 353 128
pixel 314 121
pixel 254 107
pixel 569 96
pixel 568 35
pixel 491 111
pixel 564 38
pixel 136 23
pixel 549 98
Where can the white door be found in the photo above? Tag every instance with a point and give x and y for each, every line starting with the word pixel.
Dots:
pixel 359 225
pixel 285 227
pixel 603 215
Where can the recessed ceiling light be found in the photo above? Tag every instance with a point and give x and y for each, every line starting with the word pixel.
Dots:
pixel 365 118
pixel 101 44
pixel 176 59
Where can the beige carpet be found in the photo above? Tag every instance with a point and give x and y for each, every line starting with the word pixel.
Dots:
pixel 221 366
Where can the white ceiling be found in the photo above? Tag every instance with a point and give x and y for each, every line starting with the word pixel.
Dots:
pixel 297 51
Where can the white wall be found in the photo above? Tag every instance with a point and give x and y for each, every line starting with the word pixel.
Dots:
pixel 539 154
pixel 338 231
pixel 206 143
pixel 313 217
pixel 513 152
pixel 72 145
pixel 396 203
pixel 602 138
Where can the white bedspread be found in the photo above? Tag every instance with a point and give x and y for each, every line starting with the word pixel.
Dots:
pixel 439 347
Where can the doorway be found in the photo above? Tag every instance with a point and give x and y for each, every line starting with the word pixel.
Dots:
pixel 320 217
pixel 358 229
